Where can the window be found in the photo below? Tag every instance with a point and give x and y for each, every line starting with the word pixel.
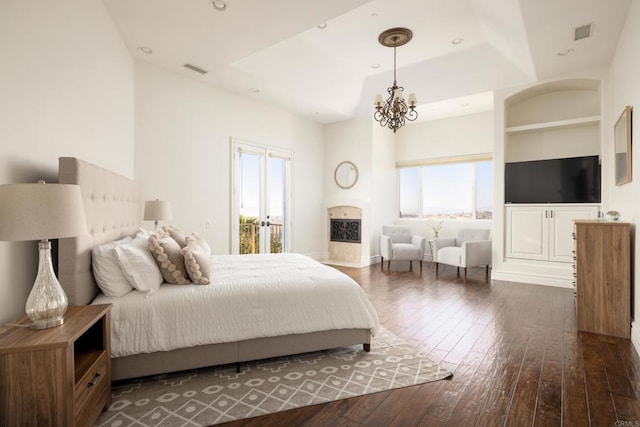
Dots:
pixel 447 191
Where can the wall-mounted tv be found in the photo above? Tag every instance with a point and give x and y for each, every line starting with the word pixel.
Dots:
pixel 569 180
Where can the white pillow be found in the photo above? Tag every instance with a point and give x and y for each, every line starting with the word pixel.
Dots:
pixel 138 265
pixel 203 244
pixel 106 269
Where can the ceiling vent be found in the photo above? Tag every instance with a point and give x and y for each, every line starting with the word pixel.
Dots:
pixel 582 32
pixel 196 69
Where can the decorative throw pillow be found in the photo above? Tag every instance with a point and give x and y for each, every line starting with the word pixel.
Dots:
pixel 180 237
pixel 196 261
pixel 138 266
pixel 106 269
pixel 175 234
pixel 166 252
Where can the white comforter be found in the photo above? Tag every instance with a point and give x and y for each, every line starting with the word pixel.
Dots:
pixel 252 296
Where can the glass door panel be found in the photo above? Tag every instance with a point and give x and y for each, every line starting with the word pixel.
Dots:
pixel 262 200
pixel 276 210
pixel 249 227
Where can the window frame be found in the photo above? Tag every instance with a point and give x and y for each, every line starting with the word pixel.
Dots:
pixel 421 164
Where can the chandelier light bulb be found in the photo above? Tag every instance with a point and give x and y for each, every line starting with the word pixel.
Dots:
pixel 412 100
pixel 378 102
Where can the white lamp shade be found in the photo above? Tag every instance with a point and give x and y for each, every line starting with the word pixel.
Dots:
pixel 41 211
pixel 157 210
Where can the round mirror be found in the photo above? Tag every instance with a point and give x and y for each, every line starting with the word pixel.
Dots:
pixel 346 175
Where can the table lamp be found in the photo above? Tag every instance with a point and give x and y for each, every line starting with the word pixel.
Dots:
pixel 42 212
pixel 157 210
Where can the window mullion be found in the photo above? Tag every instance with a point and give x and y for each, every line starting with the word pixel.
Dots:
pixel 474 193
pixel 420 193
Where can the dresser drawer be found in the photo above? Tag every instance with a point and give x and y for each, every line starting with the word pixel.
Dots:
pixel 91 392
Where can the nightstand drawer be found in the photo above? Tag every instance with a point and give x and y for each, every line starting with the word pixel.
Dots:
pixel 91 392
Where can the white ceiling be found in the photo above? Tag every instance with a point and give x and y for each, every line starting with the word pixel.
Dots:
pixel 274 52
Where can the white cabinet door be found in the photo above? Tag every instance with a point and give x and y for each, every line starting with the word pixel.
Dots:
pixel 561 220
pixel 527 232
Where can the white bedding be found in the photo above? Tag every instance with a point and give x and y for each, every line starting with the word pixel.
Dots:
pixel 252 296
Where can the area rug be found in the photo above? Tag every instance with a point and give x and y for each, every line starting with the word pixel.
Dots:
pixel 208 396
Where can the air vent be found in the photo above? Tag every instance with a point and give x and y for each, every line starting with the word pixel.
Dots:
pixel 582 32
pixel 196 69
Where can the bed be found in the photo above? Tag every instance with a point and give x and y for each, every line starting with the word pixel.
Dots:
pixel 113 210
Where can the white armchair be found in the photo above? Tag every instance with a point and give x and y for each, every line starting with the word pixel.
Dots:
pixel 398 244
pixel 470 248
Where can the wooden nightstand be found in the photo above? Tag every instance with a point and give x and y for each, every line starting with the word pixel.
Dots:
pixel 59 376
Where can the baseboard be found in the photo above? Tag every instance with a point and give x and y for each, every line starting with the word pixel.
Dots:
pixel 635 336
pixel 376 259
pixel 511 276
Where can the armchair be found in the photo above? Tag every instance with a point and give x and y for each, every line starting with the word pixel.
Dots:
pixel 398 244
pixel 470 248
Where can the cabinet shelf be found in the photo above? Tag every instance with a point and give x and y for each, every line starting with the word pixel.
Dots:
pixel 558 124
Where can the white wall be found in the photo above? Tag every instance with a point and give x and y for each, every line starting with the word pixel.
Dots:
pixel 457 136
pixel 349 140
pixel 183 131
pixel 384 193
pixel 66 85
pixel 372 149
pixel 625 90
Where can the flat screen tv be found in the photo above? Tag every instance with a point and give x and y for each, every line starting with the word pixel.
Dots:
pixel 569 180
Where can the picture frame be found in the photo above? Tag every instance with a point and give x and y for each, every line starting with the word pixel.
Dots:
pixel 622 147
pixel 346 175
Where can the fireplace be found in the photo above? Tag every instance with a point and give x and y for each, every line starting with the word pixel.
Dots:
pixel 345 230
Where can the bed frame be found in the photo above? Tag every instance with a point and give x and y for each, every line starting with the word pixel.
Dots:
pixel 113 209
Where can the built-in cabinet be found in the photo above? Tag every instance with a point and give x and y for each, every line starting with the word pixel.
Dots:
pixel 603 277
pixel 552 120
pixel 543 232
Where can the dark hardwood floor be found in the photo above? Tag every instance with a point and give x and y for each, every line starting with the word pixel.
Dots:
pixel 514 350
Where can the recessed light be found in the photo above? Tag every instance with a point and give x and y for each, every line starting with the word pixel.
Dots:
pixel 375 66
pixel 254 90
pixel 457 41
pixel 374 14
pixel 146 50
pixel 565 52
pixel 464 104
pixel 315 113
pixel 322 26
pixel 219 5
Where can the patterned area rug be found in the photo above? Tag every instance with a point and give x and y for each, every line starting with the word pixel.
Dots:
pixel 207 396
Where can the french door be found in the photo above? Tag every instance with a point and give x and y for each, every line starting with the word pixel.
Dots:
pixel 261 208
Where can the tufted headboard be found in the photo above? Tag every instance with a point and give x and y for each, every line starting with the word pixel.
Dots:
pixel 113 210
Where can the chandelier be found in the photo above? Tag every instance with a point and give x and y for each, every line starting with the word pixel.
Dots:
pixel 395 111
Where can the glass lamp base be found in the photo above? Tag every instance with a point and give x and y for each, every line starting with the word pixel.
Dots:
pixel 47 301
pixel 44 324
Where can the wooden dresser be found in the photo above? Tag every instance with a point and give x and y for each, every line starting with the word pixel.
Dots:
pixel 59 376
pixel 603 277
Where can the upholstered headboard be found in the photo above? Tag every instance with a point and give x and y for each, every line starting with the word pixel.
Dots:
pixel 113 210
